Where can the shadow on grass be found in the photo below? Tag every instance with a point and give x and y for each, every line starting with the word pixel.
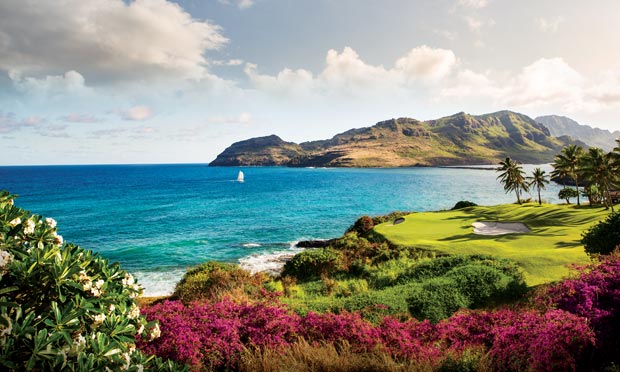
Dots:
pixel 571 244
pixel 477 237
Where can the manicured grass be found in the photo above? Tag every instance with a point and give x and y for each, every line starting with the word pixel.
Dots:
pixel 543 253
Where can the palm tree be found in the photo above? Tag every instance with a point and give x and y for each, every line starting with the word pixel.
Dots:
pixel 512 177
pixel 567 164
pixel 538 179
pixel 597 168
pixel 615 156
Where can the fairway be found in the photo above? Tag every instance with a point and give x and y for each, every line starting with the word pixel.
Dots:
pixel 543 253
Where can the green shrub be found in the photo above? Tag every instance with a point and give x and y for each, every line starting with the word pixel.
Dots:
pixel 213 280
pixel 312 263
pixel 448 283
pixel 433 268
pixel 463 204
pixel 603 237
pixel 481 284
pixel 567 193
pixel 437 299
pixel 63 307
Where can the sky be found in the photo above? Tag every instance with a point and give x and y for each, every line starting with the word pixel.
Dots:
pixel 157 81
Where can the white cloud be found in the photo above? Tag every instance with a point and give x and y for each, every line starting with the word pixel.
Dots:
pixel 427 63
pixel 230 62
pixel 286 82
pixel 75 117
pixel 241 4
pixel 546 81
pixel 474 24
pixel 549 25
pixel 346 71
pixel 71 82
pixel 477 4
pixel 137 113
pixel 468 83
pixel 243 118
pixel 10 123
pixel 105 40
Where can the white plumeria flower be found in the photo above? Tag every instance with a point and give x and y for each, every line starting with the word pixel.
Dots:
pixel 134 312
pixel 95 292
pixel 58 240
pixel 5 258
pixel 16 221
pixel 98 320
pixel 155 332
pixel 50 222
pixel 128 280
pixel 29 226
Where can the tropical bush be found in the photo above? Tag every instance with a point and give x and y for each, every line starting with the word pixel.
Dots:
pixel 603 237
pixel 463 204
pixel 362 225
pixel 63 308
pixel 312 263
pixel 212 280
pixel 567 193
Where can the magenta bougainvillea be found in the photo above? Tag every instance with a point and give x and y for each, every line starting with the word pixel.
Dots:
pixel 574 322
pixel 213 334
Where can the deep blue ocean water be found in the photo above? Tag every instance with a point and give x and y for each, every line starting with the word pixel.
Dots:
pixel 157 220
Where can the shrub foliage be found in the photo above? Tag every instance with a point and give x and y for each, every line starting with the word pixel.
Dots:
pixel 603 237
pixel 63 308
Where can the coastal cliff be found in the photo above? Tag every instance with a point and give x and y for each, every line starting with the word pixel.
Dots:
pixel 460 139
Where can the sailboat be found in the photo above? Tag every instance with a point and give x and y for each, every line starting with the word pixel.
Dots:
pixel 240 177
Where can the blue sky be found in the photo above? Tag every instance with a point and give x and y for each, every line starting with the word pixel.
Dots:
pixel 155 81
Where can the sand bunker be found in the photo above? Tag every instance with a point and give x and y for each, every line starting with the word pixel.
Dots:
pixel 499 228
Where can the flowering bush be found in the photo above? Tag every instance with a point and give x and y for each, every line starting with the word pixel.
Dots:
pixel 594 295
pixel 214 335
pixel 62 307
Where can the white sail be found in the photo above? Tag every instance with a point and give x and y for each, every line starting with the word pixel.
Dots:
pixel 240 177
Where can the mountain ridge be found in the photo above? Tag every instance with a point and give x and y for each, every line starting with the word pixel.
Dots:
pixel 595 137
pixel 459 139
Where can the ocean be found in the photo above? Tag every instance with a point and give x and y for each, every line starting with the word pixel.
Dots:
pixel 158 220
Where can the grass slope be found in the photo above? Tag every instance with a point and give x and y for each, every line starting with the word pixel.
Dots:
pixel 544 253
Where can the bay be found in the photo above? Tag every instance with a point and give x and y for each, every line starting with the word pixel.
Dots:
pixel 158 220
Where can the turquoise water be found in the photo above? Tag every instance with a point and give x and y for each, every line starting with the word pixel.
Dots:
pixel 157 220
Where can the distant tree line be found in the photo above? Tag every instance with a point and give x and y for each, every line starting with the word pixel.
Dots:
pixel 597 170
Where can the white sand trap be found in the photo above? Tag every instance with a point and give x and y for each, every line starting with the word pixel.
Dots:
pixel 499 228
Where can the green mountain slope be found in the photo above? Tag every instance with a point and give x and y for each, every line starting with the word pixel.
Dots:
pixel 460 139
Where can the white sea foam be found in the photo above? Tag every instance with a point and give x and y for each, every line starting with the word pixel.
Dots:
pixel 251 245
pixel 159 283
pixel 270 262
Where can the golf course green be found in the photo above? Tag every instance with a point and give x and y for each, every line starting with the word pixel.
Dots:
pixel 544 253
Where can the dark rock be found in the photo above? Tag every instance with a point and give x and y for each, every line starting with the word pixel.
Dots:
pixel 316 243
